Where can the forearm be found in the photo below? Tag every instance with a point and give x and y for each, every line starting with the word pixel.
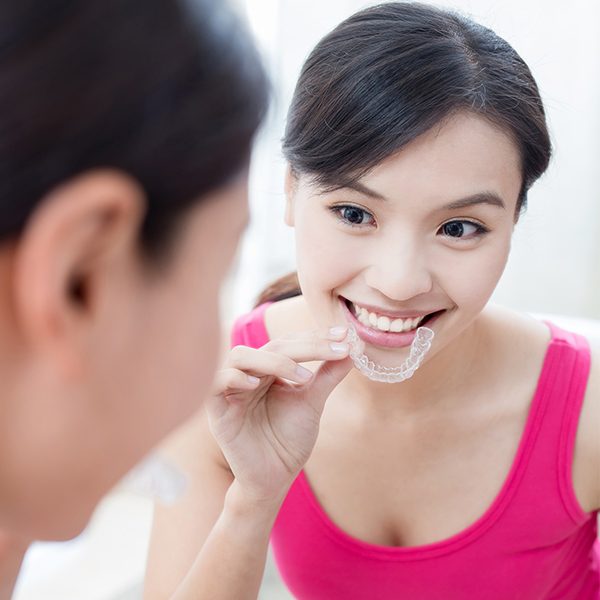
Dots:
pixel 231 564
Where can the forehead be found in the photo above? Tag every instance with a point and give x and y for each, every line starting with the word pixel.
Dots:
pixel 463 156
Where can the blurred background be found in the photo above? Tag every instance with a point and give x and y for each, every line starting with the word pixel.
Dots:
pixel 554 266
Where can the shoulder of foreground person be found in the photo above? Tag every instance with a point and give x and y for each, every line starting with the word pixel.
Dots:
pixel 179 530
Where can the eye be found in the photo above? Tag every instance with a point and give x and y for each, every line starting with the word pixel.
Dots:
pixel 353 216
pixel 463 229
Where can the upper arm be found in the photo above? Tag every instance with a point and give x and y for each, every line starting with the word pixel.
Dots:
pixel 179 530
pixel 586 467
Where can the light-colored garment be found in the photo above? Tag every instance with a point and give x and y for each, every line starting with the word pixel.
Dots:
pixel 533 543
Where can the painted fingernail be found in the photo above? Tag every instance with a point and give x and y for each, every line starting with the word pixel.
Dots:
pixel 253 380
pixel 303 374
pixel 339 347
pixel 338 330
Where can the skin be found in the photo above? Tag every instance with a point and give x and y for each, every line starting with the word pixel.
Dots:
pixel 383 460
pixel 92 379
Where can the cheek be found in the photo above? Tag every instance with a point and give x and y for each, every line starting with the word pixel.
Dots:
pixel 177 358
pixel 326 257
pixel 198 321
pixel 470 278
pixel 199 329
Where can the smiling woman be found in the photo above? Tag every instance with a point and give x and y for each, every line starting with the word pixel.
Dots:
pixel 413 137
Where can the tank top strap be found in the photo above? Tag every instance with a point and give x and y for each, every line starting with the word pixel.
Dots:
pixel 250 329
pixel 562 384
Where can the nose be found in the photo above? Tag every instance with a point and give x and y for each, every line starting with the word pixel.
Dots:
pixel 399 269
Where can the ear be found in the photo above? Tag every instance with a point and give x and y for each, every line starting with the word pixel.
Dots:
pixel 290 186
pixel 67 255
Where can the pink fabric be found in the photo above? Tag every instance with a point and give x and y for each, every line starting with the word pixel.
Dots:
pixel 533 543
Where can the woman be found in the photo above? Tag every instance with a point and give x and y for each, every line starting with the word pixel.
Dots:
pixel 413 138
pixel 126 132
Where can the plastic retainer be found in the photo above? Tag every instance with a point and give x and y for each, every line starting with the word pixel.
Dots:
pixel 418 349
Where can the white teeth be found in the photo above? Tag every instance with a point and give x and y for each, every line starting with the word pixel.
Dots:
pixel 396 325
pixel 384 323
pixel 409 324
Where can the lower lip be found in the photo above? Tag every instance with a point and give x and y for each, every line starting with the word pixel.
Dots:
pixel 382 338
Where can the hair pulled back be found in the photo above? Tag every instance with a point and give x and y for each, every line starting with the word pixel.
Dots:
pixel 391 72
pixel 388 74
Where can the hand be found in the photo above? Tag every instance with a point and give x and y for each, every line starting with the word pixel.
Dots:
pixel 265 409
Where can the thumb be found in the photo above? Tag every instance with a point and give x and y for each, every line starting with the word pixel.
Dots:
pixel 325 380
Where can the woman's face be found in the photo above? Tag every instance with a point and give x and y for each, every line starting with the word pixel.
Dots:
pixel 427 230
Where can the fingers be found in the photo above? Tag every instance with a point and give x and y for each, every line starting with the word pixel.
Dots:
pixel 245 366
pixel 232 380
pixel 260 363
pixel 312 346
pixel 326 379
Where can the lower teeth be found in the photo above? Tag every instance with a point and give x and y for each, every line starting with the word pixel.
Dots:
pixel 418 349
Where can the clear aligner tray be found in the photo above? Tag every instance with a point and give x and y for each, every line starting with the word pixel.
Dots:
pixel 418 349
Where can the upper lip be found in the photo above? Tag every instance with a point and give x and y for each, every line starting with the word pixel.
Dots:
pixel 395 314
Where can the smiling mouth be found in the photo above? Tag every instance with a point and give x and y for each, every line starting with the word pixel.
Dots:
pixel 387 324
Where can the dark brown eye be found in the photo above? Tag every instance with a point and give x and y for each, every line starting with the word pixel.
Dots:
pixel 461 229
pixel 353 216
pixel 454 229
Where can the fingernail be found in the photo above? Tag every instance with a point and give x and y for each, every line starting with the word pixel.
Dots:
pixel 338 330
pixel 303 373
pixel 339 347
pixel 253 380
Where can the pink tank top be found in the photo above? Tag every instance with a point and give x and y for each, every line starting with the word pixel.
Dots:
pixel 533 543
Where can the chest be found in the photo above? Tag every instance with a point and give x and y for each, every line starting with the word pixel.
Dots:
pixel 414 484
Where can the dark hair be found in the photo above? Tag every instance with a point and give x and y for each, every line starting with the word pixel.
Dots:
pixel 391 72
pixel 169 91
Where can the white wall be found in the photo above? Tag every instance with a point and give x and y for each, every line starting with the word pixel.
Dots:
pixel 554 265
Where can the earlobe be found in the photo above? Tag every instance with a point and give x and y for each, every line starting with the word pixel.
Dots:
pixel 65 258
pixel 290 186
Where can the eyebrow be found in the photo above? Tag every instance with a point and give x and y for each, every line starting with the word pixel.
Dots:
pixel 481 198
pixel 486 197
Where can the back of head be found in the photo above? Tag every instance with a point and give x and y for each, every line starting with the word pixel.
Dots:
pixel 170 91
pixel 391 72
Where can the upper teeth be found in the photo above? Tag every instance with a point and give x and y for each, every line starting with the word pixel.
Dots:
pixel 384 323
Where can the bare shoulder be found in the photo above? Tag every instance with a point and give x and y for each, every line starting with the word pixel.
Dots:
pixel 517 320
pixel 524 339
pixel 519 339
pixel 287 317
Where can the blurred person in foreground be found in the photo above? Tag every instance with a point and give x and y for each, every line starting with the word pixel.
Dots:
pixel 126 133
